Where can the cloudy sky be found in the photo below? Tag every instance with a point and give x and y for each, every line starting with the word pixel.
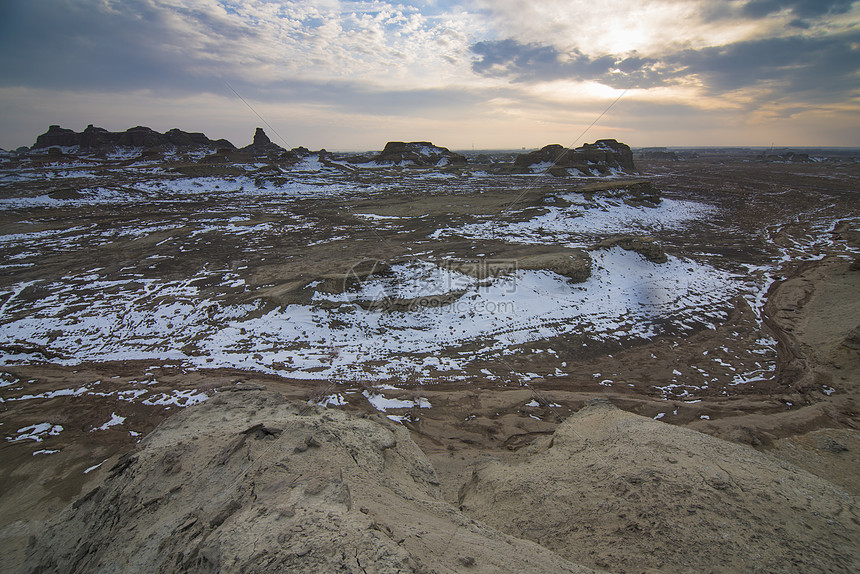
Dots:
pixel 351 75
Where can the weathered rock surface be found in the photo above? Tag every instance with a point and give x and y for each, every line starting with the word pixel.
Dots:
pixel 100 139
pixel 852 340
pixel 637 193
pixel 247 482
pixel 417 153
pixel 598 157
pixel 625 492
pixel 644 245
pixel 575 264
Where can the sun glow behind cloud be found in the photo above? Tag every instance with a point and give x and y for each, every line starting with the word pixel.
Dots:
pixel 501 73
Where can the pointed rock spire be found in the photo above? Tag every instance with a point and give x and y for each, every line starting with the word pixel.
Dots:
pixel 261 139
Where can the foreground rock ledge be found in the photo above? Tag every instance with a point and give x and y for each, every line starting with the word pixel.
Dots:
pixel 246 482
pixel 616 490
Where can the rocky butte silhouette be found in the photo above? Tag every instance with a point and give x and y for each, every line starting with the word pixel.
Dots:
pixel 94 139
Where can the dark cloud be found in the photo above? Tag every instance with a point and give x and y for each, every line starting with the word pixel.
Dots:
pixel 757 9
pixel 526 62
pixel 800 8
pixel 509 57
pixel 85 44
pixel 824 68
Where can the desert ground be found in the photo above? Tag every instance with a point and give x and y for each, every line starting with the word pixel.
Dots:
pixel 645 370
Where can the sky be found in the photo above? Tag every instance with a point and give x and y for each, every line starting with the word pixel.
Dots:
pixel 489 74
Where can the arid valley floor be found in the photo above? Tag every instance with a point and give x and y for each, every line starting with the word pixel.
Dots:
pixel 472 310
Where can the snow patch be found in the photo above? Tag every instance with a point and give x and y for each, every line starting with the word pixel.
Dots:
pixel 115 420
pixel 36 432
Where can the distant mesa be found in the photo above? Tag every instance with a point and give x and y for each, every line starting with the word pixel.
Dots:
pixel 101 140
pixel 421 154
pixel 604 157
pixel 598 158
pixel 660 154
pixel 663 154
pixel 94 140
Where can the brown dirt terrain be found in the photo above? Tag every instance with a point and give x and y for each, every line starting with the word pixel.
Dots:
pixel 615 490
pixel 246 482
pixel 797 424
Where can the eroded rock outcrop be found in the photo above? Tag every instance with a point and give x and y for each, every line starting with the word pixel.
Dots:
pixel 420 154
pixel 601 157
pixel 262 146
pixel 636 193
pixel 247 482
